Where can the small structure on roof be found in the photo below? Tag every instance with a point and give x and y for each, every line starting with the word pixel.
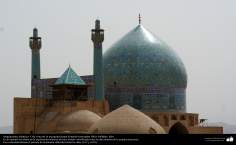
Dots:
pixel 70 86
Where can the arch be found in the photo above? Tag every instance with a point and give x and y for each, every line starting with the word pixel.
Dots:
pixel 178 128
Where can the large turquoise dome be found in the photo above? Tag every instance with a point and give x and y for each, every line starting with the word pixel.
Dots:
pixel 141 61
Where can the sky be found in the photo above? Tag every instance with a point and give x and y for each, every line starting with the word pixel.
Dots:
pixel 202 32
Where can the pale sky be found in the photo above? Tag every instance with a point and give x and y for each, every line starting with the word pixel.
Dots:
pixel 202 32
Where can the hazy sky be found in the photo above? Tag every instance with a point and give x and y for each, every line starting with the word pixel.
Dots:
pixel 202 32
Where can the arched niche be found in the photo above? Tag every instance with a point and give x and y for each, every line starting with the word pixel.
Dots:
pixel 178 128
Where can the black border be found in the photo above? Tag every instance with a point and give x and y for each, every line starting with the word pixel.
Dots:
pixel 136 139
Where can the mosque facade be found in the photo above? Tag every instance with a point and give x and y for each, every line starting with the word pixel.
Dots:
pixel 138 86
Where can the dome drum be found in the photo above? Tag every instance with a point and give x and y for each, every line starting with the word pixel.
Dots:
pixel 151 99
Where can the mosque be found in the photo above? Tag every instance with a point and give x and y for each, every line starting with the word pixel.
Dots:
pixel 138 87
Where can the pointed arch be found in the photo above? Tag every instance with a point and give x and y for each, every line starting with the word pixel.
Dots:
pixel 178 128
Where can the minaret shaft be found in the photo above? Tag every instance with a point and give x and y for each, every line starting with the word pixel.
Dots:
pixel 97 38
pixel 35 64
pixel 35 45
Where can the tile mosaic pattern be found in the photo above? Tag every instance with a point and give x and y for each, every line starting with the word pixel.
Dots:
pixel 140 60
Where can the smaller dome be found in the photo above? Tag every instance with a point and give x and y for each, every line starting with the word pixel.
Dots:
pixel 126 120
pixel 77 122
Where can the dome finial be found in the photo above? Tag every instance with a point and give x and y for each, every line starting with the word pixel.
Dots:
pixel 139 19
pixel 69 65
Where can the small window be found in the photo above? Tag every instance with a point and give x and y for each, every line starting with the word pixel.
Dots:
pixel 182 117
pixel 166 120
pixel 173 117
pixel 191 120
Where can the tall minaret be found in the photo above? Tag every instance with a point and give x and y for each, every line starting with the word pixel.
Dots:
pixel 35 45
pixel 97 38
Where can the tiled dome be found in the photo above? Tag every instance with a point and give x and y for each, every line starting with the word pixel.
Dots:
pixel 141 61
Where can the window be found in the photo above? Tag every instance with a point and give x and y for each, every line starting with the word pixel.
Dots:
pixel 166 121
pixel 182 117
pixel 191 120
pixel 173 117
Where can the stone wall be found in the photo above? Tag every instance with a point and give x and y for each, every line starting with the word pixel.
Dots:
pixel 41 114
pixel 189 120
pixel 205 130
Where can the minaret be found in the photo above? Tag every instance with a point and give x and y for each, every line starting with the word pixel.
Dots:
pixel 97 38
pixel 35 45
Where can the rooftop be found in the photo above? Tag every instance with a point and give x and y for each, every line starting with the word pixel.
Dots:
pixel 69 77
